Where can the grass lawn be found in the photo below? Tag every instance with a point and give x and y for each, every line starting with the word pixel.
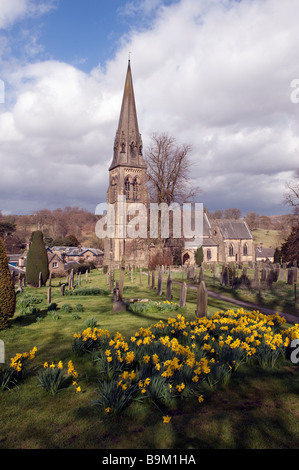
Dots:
pixel 278 298
pixel 258 408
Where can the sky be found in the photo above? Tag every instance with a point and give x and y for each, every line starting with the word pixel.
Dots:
pixel 220 75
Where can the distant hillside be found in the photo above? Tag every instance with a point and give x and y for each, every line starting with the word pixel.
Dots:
pixel 269 238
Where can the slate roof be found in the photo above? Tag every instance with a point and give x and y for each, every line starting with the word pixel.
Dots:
pixel 237 229
pixel 261 252
pixel 74 251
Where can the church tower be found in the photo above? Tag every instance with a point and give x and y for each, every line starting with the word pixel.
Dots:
pixel 127 177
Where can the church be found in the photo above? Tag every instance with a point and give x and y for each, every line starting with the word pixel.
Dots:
pixel 224 241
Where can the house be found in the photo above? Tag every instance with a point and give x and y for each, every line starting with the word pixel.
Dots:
pixel 264 254
pixel 66 255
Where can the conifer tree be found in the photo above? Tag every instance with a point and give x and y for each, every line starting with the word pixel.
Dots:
pixel 37 261
pixel 7 289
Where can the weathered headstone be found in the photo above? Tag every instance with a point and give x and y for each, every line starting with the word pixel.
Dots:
pixel 169 288
pixel 140 277
pixel 118 304
pixel 62 289
pixel 160 283
pixel 282 274
pixel 49 296
pixel 153 279
pixel 290 276
pixel 264 275
pixel 202 300
pixel 121 283
pixel 183 295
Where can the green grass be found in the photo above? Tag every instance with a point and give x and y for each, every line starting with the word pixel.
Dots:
pixel 278 298
pixel 258 409
pixel 269 238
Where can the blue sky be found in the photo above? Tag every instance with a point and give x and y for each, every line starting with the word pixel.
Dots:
pixel 216 74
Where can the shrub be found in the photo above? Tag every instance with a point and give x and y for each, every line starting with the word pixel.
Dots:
pixel 91 323
pixel 7 289
pixel 76 316
pixel 66 308
pixel 79 308
pixel 88 291
pixel 37 261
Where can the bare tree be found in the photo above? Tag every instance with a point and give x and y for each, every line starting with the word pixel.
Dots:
pixel 292 196
pixel 232 213
pixel 169 168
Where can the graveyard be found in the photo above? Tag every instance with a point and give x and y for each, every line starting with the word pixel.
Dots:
pixel 106 329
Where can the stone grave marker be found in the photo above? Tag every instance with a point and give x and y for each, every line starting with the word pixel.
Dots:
pixel 183 295
pixel 202 300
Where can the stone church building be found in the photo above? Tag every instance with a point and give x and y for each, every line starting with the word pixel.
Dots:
pixel 224 240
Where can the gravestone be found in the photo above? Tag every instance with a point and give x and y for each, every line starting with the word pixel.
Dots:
pixel 225 276
pixel 140 277
pixel 62 290
pixel 153 279
pixel 281 275
pixel 118 304
pixel 169 288
pixel 202 300
pixel 121 283
pixel 290 276
pixel 160 283
pixel 217 271
pixel 49 296
pixel 183 295
pixel 264 275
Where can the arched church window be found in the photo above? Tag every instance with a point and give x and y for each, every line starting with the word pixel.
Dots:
pixel 128 184
pixel 245 249
pixel 209 254
pixel 231 250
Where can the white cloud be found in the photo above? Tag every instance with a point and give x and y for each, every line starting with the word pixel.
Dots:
pixel 13 10
pixel 213 74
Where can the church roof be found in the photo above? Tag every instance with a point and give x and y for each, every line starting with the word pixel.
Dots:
pixel 234 229
pixel 128 145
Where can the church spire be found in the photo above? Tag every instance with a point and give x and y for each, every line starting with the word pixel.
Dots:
pixel 128 147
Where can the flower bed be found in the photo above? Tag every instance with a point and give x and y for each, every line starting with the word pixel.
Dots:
pixel 176 359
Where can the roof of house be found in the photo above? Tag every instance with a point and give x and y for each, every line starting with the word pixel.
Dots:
pixel 74 251
pixel 16 269
pixel 231 228
pixel 261 252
